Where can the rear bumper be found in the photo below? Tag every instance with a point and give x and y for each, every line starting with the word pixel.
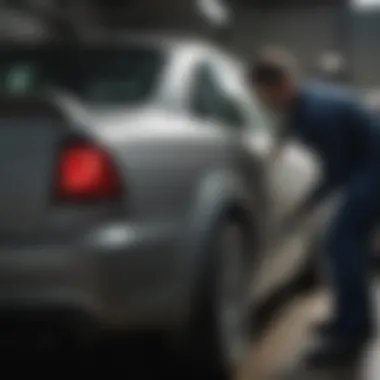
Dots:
pixel 116 276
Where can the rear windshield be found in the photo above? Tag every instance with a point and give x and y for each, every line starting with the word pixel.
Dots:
pixel 110 75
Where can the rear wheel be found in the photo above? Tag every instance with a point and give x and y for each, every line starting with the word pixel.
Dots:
pixel 220 331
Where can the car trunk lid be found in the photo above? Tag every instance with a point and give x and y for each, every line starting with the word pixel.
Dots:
pixel 29 137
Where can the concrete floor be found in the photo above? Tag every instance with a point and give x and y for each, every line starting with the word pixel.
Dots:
pixel 275 356
pixel 278 355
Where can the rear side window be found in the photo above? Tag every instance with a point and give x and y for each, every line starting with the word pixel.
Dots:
pixel 128 74
pixel 210 100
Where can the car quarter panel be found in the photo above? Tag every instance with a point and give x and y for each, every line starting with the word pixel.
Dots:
pixel 162 158
pixel 178 172
pixel 219 192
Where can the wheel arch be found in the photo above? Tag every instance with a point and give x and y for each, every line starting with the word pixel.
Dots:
pixel 221 194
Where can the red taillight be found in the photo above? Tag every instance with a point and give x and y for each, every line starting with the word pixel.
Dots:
pixel 85 171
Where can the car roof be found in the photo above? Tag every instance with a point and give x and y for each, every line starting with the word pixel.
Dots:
pixel 166 41
pixel 104 40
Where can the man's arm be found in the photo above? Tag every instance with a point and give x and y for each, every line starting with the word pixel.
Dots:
pixel 363 131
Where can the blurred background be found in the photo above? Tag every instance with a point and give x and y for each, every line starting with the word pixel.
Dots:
pixel 326 35
pixel 314 30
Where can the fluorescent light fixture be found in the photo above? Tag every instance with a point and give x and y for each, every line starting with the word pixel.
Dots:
pixel 331 62
pixel 365 4
pixel 216 12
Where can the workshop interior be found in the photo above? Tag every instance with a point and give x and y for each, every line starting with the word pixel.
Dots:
pixel 190 189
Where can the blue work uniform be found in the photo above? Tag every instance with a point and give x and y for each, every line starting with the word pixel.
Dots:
pixel 346 137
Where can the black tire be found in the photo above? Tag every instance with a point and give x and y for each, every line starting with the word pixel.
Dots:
pixel 205 347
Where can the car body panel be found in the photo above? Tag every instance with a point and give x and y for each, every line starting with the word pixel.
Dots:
pixel 289 180
pixel 134 263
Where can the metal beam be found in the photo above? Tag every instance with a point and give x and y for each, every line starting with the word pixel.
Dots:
pixel 290 3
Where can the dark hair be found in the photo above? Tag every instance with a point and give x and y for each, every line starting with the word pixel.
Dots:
pixel 273 66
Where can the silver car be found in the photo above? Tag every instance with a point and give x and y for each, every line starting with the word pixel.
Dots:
pixel 139 195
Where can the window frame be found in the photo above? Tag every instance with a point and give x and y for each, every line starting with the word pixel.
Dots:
pixel 214 68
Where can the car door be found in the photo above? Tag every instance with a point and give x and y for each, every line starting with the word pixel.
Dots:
pixel 289 180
